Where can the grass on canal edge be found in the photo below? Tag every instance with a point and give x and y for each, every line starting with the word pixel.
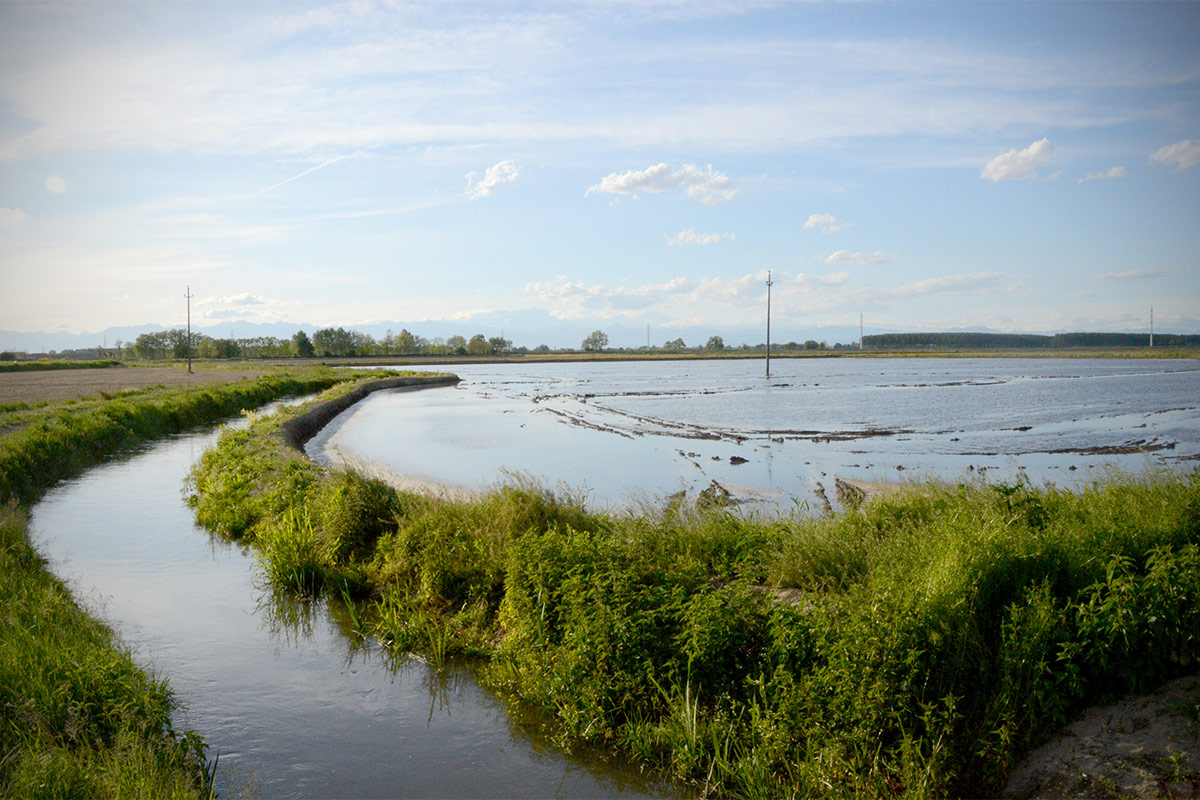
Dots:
pixel 917 646
pixel 78 718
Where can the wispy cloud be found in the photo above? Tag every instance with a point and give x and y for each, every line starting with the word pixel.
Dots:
pixel 954 284
pixel 1111 172
pixel 847 257
pixel 1018 164
pixel 708 186
pixel 243 306
pixel 1135 275
pixel 496 175
pixel 1182 154
pixel 827 223
pixel 691 237
pixel 11 216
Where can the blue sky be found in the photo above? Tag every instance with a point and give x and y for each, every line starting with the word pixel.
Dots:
pixel 1014 167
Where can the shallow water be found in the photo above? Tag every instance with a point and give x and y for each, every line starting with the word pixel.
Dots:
pixel 621 433
pixel 292 705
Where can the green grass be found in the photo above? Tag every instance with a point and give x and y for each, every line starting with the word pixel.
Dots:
pixel 917 646
pixel 78 718
pixel 51 364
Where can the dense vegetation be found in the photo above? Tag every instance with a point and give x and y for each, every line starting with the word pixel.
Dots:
pixel 77 717
pixel 967 340
pixel 52 364
pixel 918 645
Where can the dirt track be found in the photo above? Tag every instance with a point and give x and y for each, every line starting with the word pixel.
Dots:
pixel 71 384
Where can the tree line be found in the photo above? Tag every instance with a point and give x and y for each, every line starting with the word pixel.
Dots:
pixel 1022 341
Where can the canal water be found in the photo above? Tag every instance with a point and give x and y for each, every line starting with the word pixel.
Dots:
pixel 626 433
pixel 293 704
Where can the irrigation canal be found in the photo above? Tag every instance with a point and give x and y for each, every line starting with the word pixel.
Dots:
pixel 293 705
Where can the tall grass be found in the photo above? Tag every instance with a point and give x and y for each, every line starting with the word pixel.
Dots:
pixel 917 646
pixel 79 718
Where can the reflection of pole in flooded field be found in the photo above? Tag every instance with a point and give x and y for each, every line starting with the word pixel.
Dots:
pixel 768 323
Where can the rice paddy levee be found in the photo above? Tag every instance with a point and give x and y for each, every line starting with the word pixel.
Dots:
pixel 78 717
pixel 917 645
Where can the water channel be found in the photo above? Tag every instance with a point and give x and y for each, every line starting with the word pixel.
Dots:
pixel 293 705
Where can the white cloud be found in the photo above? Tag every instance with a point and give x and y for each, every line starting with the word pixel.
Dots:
pixel 954 284
pixel 243 306
pixel 846 257
pixel 1135 274
pixel 496 175
pixel 1182 154
pixel 828 223
pixel 1018 164
pixel 1112 172
pixel 11 216
pixel 709 187
pixel 691 237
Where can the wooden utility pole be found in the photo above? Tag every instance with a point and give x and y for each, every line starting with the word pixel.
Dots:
pixel 188 295
pixel 768 323
pixel 1152 326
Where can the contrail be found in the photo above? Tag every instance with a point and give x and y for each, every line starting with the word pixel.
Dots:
pixel 302 174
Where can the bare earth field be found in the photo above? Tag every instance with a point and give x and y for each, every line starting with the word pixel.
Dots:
pixel 72 384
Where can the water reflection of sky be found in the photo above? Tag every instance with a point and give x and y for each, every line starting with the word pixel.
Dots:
pixel 293 707
pixel 624 431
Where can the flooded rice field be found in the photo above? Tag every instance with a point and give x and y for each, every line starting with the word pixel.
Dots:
pixel 624 433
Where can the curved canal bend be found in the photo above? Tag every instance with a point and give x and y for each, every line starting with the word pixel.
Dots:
pixel 293 706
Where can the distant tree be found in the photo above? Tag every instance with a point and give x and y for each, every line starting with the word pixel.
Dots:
pixel 457 345
pixel 500 344
pixel 675 345
pixel 301 346
pixel 715 343
pixel 811 344
pixel 479 346
pixel 405 343
pixel 595 341
pixel 225 348
pixel 333 342
pixel 542 348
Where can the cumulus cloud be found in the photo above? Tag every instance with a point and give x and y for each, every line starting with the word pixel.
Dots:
pixel 691 237
pixel 10 217
pixel 496 175
pixel 1111 172
pixel 1182 154
pixel 828 223
pixel 1018 164
pixel 846 257
pixel 1135 275
pixel 709 187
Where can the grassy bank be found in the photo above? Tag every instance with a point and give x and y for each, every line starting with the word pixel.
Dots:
pixel 78 718
pixel 918 645
pixel 43 365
